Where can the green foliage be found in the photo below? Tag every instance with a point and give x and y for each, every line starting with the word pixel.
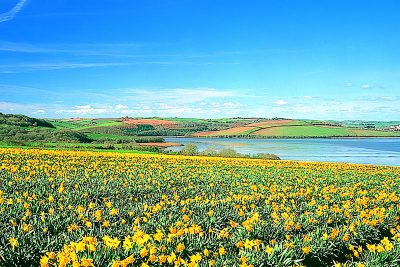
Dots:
pixel 85 124
pixel 266 156
pixel 148 139
pixel 192 150
pixel 69 136
pixel 209 152
pixel 18 129
pixel 136 147
pixel 229 153
pixel 189 150
pixel 11 134
pixel 23 121
pixel 108 145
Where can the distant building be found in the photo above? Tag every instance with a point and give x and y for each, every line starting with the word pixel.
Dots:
pixel 367 125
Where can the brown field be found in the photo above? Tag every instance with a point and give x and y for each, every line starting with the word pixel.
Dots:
pixel 230 131
pixel 294 129
pixel 273 131
pixel 76 119
pixel 243 129
pixel 154 122
pixel 269 123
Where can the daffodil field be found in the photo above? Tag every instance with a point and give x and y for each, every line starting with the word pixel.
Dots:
pixel 70 208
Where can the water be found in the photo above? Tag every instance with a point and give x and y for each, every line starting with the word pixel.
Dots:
pixel 380 151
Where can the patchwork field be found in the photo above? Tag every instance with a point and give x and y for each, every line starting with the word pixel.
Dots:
pixel 318 131
pixel 295 129
pixel 272 123
pixel 154 122
pixel 231 131
pixel 69 208
pixel 85 124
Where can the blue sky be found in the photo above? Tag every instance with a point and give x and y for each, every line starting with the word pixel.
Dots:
pixel 201 58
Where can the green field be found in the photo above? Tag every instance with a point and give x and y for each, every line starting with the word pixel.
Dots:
pixel 319 131
pixel 96 136
pixel 297 129
pixel 84 124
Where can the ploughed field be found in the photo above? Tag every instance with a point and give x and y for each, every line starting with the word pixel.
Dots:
pixel 67 208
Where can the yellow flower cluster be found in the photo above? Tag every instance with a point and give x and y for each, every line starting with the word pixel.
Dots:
pixel 72 208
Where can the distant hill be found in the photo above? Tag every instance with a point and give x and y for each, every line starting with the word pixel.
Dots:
pixel 124 132
pixel 116 127
pixel 23 121
pixel 287 128
pixel 21 128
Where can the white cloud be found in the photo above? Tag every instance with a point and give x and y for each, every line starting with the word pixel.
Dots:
pixel 202 93
pixel 6 106
pixel 224 105
pixel 373 86
pixel 371 109
pixel 81 49
pixel 157 109
pixel 176 96
pixel 200 102
pixel 143 106
pixel 16 68
pixel 231 105
pixel 389 98
pixel 83 110
pixel 10 106
pixel 120 106
pixel 280 102
pixel 18 47
pixel 348 84
pixel 14 11
pixel 26 109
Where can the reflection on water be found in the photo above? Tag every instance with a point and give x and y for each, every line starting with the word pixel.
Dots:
pixel 382 151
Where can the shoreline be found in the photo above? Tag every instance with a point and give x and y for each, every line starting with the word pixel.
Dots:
pixel 286 137
pixel 203 157
pixel 160 144
pixel 136 152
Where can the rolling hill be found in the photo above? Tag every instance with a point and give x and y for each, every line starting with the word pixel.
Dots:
pixel 126 132
pixel 287 128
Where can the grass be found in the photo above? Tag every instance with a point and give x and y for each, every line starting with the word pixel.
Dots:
pixel 84 124
pixel 74 146
pixel 377 124
pixel 361 132
pixel 275 123
pixel 96 136
pixel 299 131
pixel 319 131
pixel 64 124
pixel 296 129
pixel 101 123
